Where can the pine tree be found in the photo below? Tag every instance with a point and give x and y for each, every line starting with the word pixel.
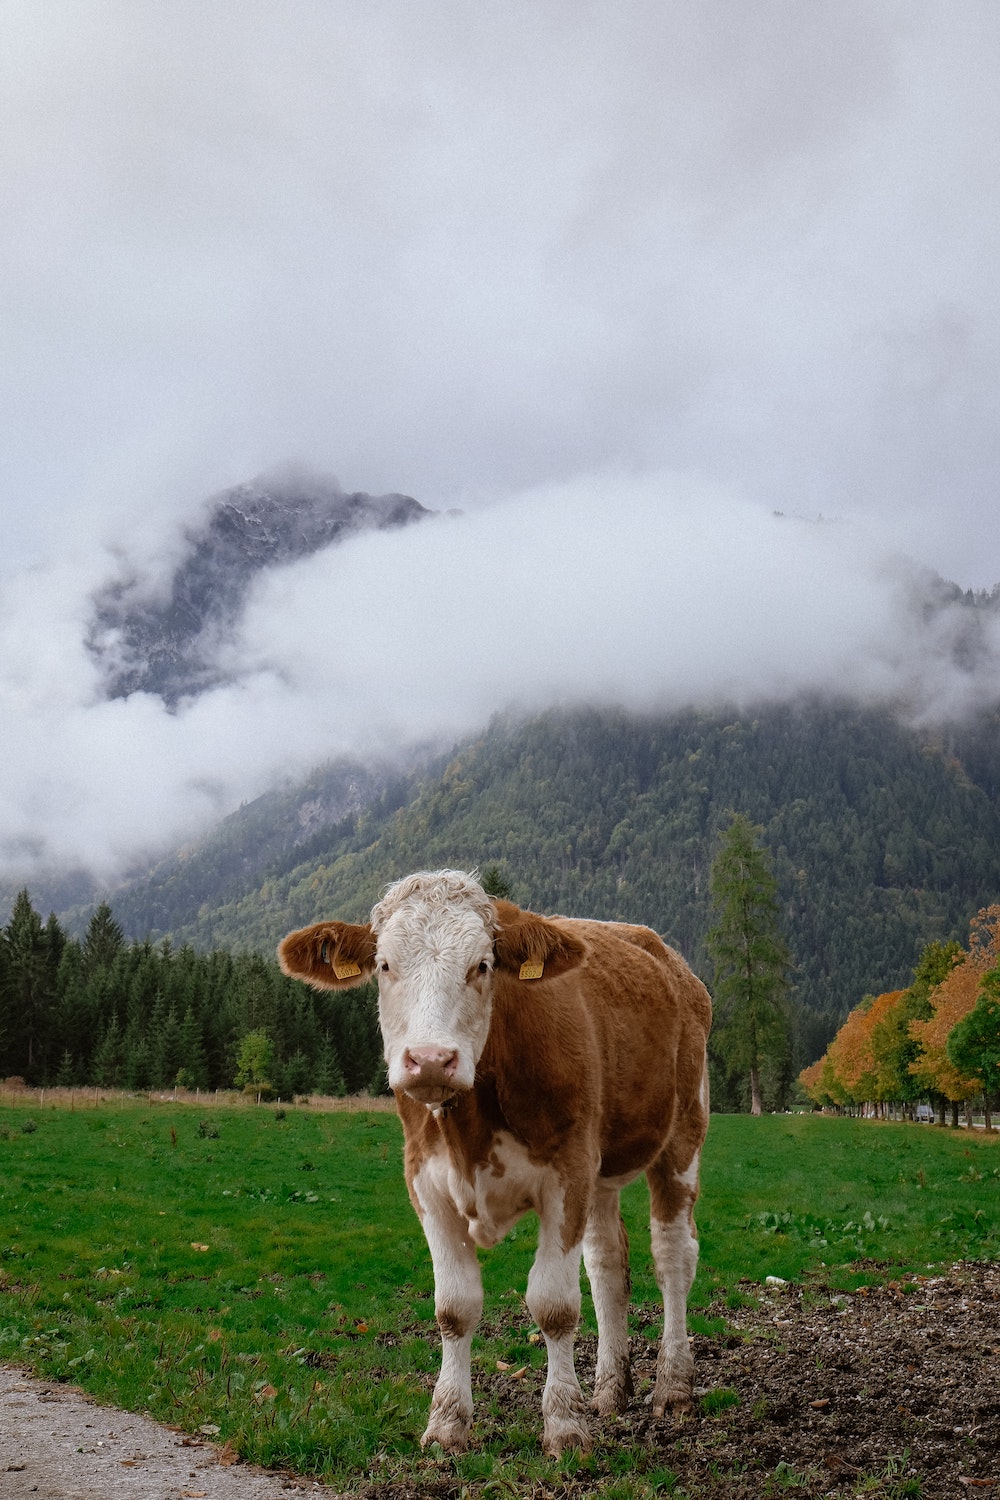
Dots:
pixel 74 1024
pixel 357 1040
pixel 104 940
pixel 166 1054
pixel 750 957
pixel 496 884
pixel 329 1074
pixel 29 988
pixel 193 1071
pixel 109 1058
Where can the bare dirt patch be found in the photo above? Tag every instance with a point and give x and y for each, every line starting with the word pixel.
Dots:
pixel 900 1382
pixel 889 1392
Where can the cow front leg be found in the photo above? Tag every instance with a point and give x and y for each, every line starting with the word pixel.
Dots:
pixel 605 1255
pixel 458 1303
pixel 553 1300
pixel 675 1256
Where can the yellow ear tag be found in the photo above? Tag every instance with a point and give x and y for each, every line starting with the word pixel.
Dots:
pixel 531 969
pixel 346 970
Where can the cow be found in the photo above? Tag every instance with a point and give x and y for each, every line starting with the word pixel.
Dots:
pixel 538 1063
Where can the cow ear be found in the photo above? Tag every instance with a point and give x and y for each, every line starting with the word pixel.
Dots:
pixel 532 947
pixel 329 955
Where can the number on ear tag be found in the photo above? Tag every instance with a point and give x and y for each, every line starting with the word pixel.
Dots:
pixel 346 970
pixel 531 969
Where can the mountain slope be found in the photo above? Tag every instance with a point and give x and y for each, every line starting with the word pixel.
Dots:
pixel 881 840
pixel 279 830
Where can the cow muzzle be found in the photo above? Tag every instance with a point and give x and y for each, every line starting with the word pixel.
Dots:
pixel 430 1074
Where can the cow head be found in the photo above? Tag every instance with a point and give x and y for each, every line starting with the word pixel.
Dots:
pixel 436 942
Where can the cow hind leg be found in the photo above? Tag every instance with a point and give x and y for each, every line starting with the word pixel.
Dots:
pixel 605 1255
pixel 672 1196
pixel 553 1299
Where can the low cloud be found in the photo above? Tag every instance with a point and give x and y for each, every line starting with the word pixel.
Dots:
pixel 651 592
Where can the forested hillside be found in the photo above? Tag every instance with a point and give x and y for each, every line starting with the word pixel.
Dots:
pixel 282 829
pixel 881 839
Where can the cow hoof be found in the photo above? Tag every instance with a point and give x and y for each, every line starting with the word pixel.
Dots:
pixel 612 1393
pixel 676 1403
pixel 560 1436
pixel 566 1427
pixel 449 1438
pixel 449 1424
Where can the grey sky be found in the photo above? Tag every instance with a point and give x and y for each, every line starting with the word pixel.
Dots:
pixel 650 269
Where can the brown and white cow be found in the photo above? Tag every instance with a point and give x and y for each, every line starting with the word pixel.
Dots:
pixel 538 1063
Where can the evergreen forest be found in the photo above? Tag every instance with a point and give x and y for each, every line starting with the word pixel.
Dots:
pixel 134 1015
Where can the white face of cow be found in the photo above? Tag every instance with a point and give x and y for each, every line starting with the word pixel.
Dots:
pixel 434 962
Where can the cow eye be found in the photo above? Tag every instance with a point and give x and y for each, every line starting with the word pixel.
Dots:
pixel 484 967
pixel 383 967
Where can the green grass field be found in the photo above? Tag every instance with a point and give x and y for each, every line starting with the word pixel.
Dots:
pixel 264 1278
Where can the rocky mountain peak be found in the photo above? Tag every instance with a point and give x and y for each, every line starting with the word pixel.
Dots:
pixel 167 643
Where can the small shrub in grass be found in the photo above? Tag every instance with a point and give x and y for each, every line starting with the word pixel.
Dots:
pixel 719 1400
pixel 662 1481
pixel 208 1131
pixel 787 1477
pixel 625 1489
pixel 28 1127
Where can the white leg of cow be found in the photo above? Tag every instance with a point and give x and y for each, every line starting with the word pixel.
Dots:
pixel 458 1302
pixel 675 1256
pixel 605 1255
pixel 675 1253
pixel 553 1300
pixel 673 1190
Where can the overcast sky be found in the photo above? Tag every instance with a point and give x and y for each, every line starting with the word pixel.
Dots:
pixel 618 281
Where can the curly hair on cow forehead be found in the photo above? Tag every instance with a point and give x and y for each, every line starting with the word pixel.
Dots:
pixel 434 890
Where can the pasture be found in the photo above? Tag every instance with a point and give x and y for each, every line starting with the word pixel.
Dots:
pixel 259 1275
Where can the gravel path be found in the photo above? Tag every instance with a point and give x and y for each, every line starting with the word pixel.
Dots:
pixel 58 1444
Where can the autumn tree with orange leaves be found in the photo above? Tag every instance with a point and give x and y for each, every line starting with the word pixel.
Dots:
pixel 950 1003
pixel 852 1074
pixel 895 1047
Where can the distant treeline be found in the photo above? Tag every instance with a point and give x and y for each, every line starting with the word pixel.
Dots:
pixel 136 1015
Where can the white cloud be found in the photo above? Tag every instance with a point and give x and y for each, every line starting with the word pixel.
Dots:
pixel 653 592
pixel 494 258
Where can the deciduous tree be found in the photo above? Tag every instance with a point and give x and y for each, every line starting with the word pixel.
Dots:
pixel 254 1062
pixel 950 1002
pixel 973 1045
